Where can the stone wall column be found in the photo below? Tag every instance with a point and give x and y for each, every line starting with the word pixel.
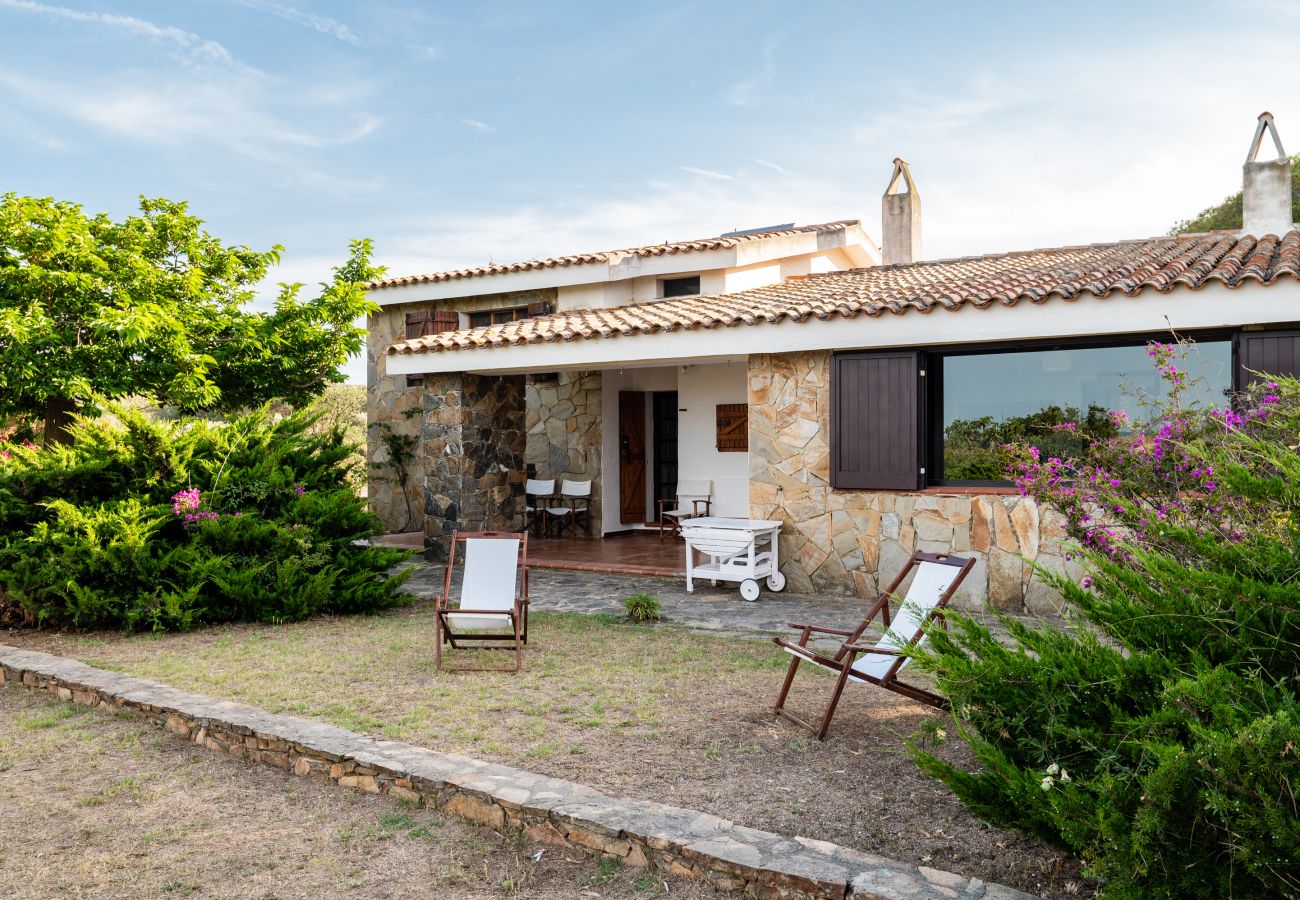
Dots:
pixel 473 447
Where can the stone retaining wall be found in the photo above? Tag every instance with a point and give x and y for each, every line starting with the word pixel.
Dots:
pixel 850 541
pixel 546 810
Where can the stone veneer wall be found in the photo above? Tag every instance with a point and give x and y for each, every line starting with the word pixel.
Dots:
pixel 473 442
pixel 564 432
pixel 857 541
pixel 388 400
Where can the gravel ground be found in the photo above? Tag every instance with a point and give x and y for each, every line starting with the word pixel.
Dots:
pixel 94 804
pixel 663 713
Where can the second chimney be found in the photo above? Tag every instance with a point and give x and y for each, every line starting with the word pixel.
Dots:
pixel 900 212
pixel 1266 186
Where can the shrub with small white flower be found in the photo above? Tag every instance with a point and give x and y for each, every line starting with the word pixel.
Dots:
pixel 1173 700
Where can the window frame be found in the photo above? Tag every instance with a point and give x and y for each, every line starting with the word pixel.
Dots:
pixel 931 445
pixel 663 286
pixel 517 314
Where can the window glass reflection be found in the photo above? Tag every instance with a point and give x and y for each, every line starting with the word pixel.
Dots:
pixel 990 400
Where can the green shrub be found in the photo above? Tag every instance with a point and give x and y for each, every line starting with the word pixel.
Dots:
pixel 146 525
pixel 643 607
pixel 1159 740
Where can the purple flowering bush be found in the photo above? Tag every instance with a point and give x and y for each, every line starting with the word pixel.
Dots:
pixel 1158 739
pixel 164 526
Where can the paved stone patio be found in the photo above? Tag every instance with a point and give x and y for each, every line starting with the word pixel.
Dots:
pixel 715 609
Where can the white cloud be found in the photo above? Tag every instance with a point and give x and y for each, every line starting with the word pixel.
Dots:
pixel 771 165
pixel 187 45
pixel 478 126
pixel 323 24
pixel 707 173
pixel 670 208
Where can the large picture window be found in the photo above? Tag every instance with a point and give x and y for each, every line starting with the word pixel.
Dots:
pixel 981 402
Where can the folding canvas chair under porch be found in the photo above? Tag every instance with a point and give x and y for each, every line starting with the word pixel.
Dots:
pixel 937 578
pixel 493 610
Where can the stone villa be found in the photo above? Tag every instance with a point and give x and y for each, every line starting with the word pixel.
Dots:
pixel 858 394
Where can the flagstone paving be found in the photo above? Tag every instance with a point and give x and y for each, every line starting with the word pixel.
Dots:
pixel 717 609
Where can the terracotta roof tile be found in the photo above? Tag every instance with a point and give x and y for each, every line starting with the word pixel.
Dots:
pixel 1065 273
pixel 614 256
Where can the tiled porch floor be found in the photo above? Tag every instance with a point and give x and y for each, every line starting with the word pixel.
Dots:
pixel 630 554
pixel 638 553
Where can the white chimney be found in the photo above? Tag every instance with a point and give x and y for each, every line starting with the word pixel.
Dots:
pixel 900 212
pixel 1266 186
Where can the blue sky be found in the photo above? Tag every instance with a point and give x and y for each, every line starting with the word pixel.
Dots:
pixel 454 133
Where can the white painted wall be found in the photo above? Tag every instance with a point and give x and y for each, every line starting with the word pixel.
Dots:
pixel 661 378
pixel 699 390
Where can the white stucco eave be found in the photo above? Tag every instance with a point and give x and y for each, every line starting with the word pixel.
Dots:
pixel 1182 309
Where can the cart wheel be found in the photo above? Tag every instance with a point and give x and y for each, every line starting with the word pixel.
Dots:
pixel 776 582
pixel 749 589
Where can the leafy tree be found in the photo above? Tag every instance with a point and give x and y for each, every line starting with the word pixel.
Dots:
pixel 154 306
pixel 1227 215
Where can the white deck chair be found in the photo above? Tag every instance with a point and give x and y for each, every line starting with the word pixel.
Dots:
pixel 577 494
pixel 937 579
pixel 536 492
pixel 493 610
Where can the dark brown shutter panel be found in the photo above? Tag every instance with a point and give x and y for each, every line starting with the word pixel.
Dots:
pixel 876 415
pixel 415 322
pixel 732 427
pixel 537 309
pixel 1267 353
pixel 443 320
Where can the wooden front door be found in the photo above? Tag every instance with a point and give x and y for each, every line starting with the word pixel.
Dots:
pixel 631 457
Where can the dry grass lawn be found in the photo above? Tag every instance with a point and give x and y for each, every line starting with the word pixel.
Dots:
pixel 98 805
pixel 656 713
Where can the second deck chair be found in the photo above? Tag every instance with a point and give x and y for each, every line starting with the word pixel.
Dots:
pixel 493 610
pixel 937 578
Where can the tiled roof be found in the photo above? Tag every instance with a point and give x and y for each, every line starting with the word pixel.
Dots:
pixel 1036 276
pixel 612 256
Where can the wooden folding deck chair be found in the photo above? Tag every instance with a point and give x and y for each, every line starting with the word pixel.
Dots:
pixel 492 613
pixel 937 578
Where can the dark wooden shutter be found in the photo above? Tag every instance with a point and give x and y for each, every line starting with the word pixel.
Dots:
pixel 876 416
pixel 443 320
pixel 537 309
pixel 426 322
pixel 415 322
pixel 732 427
pixel 1267 352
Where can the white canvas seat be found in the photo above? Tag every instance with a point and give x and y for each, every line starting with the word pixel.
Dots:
pixel 537 492
pixel 937 577
pixel 493 608
pixel 577 496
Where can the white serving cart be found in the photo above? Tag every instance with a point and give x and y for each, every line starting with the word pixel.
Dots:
pixel 741 550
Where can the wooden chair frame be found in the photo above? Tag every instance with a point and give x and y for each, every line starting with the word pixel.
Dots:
pixel 673 524
pixel 570 510
pixel 515 639
pixel 843 660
